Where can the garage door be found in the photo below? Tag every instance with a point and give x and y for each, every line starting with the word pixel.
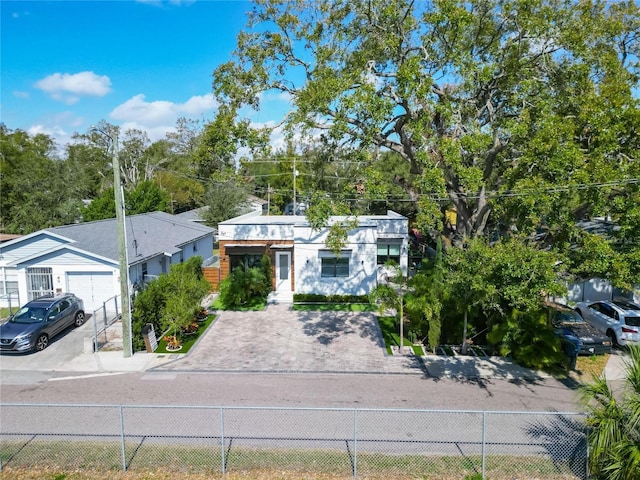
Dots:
pixel 92 287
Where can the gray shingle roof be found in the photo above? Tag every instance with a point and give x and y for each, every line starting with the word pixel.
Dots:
pixel 148 234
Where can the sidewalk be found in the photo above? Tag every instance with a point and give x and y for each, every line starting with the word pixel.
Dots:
pixel 615 369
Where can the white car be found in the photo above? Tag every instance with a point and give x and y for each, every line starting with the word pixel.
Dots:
pixel 619 319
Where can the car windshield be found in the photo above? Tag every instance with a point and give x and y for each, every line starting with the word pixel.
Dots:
pixel 29 315
pixel 568 317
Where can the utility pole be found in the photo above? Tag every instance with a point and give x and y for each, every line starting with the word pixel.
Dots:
pixel 294 185
pixel 122 251
pixel 127 348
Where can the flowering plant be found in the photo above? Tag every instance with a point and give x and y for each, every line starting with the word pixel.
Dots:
pixel 191 328
pixel 173 343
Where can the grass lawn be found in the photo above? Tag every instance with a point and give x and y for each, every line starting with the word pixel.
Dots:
pixel 63 460
pixel 187 340
pixel 254 304
pixel 391 336
pixel 590 367
pixel 334 307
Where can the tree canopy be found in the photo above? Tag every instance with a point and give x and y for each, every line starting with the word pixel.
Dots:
pixel 514 114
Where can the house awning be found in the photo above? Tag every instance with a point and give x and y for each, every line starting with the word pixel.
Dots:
pixel 281 247
pixel 245 248
pixel 239 245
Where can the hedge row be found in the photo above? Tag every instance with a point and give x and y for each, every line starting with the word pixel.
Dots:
pixel 317 298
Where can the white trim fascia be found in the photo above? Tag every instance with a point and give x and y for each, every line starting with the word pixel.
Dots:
pixel 33 235
pixel 61 247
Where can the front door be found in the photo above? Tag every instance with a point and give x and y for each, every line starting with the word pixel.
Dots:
pixel 283 271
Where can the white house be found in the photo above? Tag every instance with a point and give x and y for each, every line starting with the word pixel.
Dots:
pixel 83 258
pixel 303 263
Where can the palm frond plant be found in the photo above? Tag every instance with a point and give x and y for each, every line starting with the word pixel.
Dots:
pixel 614 424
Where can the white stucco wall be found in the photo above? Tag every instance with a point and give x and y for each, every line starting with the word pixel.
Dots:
pixel 262 231
pixel 310 248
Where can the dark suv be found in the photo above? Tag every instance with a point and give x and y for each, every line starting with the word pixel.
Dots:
pixel 38 321
pixel 571 328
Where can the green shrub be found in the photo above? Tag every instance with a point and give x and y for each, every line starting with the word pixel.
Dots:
pixel 169 301
pixel 245 284
pixel 187 287
pixel 318 298
pixel 148 307
pixel 528 339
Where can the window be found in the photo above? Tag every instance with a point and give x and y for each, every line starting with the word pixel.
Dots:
pixel 195 247
pixel 335 266
pixel 39 282
pixel 248 260
pixel 60 307
pixel 388 251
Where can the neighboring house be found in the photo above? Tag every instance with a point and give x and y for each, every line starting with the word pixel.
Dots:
pixel 83 258
pixel 303 263
pixel 598 289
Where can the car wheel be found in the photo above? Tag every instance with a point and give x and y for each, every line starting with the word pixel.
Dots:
pixel 42 342
pixel 79 320
pixel 614 339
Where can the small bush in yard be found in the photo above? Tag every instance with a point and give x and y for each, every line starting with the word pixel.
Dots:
pixel 244 284
pixel 171 301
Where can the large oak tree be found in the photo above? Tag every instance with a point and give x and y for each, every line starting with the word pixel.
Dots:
pixel 510 112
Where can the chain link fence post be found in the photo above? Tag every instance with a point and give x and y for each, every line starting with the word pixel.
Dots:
pixel 222 456
pixel 122 440
pixel 484 440
pixel 355 443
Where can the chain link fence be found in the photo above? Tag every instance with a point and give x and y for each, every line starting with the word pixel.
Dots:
pixel 353 443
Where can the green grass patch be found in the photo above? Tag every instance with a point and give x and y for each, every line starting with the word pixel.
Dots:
pixel 418 350
pixel 334 307
pixel 391 335
pixel 205 457
pixel 254 304
pixel 187 340
pixel 4 311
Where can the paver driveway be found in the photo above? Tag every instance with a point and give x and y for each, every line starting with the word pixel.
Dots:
pixel 279 339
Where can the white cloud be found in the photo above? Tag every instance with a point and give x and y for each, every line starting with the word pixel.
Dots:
pixel 19 94
pixel 54 131
pixel 160 112
pixel 273 96
pixel 68 87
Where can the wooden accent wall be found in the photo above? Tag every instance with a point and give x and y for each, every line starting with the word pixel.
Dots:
pixel 225 265
pixel 212 275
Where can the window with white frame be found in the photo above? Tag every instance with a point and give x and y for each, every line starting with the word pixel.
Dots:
pixel 335 266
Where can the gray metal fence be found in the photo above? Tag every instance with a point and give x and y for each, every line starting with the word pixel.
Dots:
pixel 103 319
pixel 356 443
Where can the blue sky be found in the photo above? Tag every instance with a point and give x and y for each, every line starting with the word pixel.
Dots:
pixel 66 65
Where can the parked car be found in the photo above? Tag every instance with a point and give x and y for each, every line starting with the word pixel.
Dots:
pixel 618 319
pixel 571 328
pixel 35 324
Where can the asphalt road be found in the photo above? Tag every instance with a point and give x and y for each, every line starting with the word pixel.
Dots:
pixel 292 390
